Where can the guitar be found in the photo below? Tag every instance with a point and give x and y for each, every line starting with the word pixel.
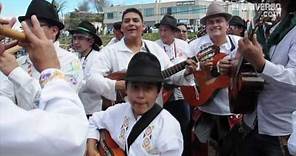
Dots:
pixel 208 83
pixel 245 84
pixel 107 146
pixel 205 54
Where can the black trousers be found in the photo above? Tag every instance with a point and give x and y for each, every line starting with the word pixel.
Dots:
pixel 181 111
pixel 263 145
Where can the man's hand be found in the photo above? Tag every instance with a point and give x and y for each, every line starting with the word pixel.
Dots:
pixel 252 52
pixel 120 85
pixel 7 63
pixel 191 67
pixel 224 66
pixel 92 148
pixel 41 50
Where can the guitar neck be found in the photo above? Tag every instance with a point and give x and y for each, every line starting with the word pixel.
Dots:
pixel 175 69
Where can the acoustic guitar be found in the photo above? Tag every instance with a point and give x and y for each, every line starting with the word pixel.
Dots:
pixel 209 82
pixel 107 146
pixel 205 54
pixel 245 84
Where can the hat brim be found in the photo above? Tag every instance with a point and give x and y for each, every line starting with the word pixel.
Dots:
pixel 157 25
pixel 57 23
pixel 226 15
pixel 143 79
pixel 98 40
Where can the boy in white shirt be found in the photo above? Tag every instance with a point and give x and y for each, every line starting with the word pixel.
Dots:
pixel 162 136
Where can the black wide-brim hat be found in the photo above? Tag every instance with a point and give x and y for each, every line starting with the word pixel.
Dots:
pixel 87 27
pixel 169 21
pixel 144 67
pixel 238 21
pixel 43 10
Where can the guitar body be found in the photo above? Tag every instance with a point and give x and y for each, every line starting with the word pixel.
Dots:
pixel 245 85
pixel 107 146
pixel 207 84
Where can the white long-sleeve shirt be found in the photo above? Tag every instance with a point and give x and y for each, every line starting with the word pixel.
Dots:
pixel 177 52
pixel 115 58
pixel 22 85
pixel 220 103
pixel 277 100
pixel 91 100
pixel 162 137
pixel 57 128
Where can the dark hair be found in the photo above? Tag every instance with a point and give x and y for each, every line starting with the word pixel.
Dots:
pixel 117 25
pixel 134 10
pixel 179 24
pixel 158 84
pixel 51 24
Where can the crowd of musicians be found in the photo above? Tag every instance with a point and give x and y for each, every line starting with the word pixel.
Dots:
pixel 148 95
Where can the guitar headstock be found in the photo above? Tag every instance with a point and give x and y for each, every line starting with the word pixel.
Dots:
pixel 207 53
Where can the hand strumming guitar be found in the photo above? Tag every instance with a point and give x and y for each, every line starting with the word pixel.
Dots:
pixel 252 52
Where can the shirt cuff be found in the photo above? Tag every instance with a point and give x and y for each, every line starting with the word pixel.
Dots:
pixel 50 74
pixel 19 76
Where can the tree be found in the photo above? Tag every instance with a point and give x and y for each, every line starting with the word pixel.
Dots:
pixel 99 4
pixel 60 5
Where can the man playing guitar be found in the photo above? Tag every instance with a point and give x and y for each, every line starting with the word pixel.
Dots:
pixel 213 123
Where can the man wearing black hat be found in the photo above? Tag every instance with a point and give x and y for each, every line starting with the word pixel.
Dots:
pixel 177 51
pixel 237 26
pixel 87 43
pixel 161 135
pixel 118 35
pixel 58 126
pixel 22 85
pixel 213 123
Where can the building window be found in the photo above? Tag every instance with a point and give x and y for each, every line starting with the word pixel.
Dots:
pixel 148 12
pixel 110 15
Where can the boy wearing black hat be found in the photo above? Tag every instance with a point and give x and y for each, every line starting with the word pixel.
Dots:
pixel 160 136
pixel 87 43
pixel 22 85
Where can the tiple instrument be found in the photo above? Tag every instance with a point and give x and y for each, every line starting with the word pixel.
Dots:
pixel 245 84
pixel 107 146
pixel 209 83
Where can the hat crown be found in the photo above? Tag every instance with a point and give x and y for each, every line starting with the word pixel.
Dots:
pixel 215 8
pixel 43 10
pixel 88 26
pixel 169 21
pixel 144 67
